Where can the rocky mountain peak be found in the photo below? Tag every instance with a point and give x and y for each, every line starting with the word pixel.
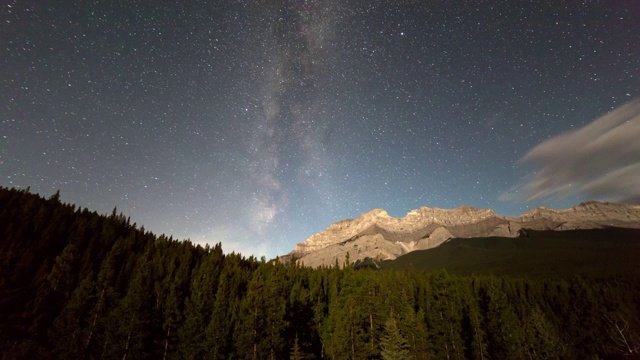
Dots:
pixel 376 234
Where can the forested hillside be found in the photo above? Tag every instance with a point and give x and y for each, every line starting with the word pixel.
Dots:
pixel 606 252
pixel 75 284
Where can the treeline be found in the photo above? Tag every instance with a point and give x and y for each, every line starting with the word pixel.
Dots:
pixel 78 285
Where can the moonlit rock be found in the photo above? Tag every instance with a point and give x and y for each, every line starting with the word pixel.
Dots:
pixel 378 235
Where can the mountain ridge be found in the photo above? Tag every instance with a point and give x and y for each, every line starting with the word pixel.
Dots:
pixel 378 235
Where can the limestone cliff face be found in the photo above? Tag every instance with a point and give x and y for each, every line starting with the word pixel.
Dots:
pixel 415 225
pixel 375 234
pixel 587 215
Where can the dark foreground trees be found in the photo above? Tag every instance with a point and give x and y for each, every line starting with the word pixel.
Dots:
pixel 75 284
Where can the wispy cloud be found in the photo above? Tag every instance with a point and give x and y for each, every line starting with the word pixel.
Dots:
pixel 600 160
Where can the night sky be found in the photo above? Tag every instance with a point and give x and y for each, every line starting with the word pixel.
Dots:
pixel 259 123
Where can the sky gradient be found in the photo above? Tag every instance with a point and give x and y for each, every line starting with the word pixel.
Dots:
pixel 259 123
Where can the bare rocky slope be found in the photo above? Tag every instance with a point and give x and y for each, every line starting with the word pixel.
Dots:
pixel 377 235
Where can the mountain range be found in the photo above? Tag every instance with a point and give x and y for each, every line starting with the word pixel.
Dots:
pixel 378 235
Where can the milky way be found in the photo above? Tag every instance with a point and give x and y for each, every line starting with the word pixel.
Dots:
pixel 293 55
pixel 259 123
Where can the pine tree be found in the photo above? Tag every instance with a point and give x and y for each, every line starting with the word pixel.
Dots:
pixel 504 330
pixel 542 337
pixel 70 328
pixel 296 351
pixel 260 333
pixel 444 315
pixel 129 326
pixel 393 345
pixel 196 315
pixel 476 337
pixel 219 330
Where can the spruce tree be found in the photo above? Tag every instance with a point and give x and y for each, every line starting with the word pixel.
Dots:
pixel 393 345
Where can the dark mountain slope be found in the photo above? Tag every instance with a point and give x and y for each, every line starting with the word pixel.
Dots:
pixel 595 252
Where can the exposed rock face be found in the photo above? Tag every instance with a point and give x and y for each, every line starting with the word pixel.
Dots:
pixel 587 215
pixel 377 235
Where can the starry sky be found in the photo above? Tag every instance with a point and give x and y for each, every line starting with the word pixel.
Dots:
pixel 259 123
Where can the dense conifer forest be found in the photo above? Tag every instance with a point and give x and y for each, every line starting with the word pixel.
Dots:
pixel 75 284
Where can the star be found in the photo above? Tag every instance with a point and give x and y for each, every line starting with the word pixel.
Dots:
pixel 258 124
